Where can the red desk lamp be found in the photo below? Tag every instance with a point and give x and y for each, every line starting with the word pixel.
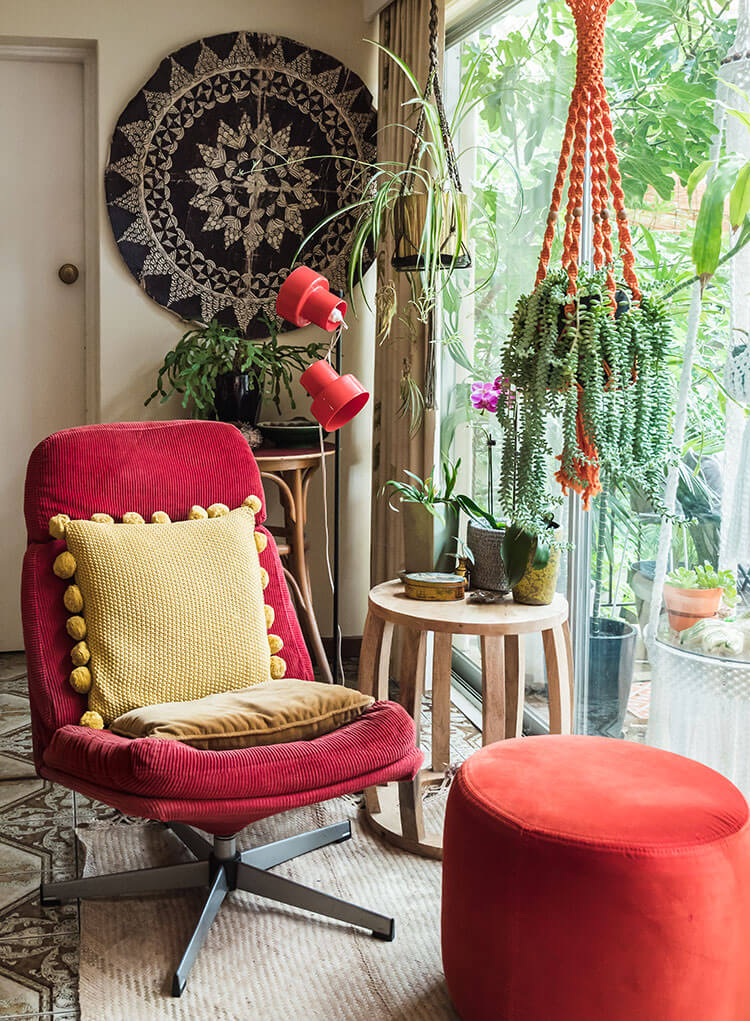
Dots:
pixel 305 297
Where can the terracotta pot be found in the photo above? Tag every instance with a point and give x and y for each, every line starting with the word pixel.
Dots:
pixel 538 584
pixel 686 606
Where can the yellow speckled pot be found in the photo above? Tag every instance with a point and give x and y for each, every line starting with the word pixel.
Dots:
pixel 537 586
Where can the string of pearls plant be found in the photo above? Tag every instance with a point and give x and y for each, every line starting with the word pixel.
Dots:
pixel 562 357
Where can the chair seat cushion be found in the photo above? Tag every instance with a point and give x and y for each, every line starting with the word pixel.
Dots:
pixel 384 734
pixel 275 712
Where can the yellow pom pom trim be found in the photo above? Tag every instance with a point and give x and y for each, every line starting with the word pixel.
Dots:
pixel 261 541
pixel 58 526
pixel 92 720
pixel 264 579
pixel 270 616
pixel 76 628
pixel 196 513
pixel 275 644
pixel 278 668
pixel 103 519
pixel 80 680
pixel 73 599
pixel 133 518
pixel 218 510
pixel 64 565
pixel 80 654
pixel 160 518
pixel 253 502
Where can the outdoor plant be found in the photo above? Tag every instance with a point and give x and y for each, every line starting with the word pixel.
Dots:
pixel 428 491
pixel 203 353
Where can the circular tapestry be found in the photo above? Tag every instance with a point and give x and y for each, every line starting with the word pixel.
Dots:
pixel 232 152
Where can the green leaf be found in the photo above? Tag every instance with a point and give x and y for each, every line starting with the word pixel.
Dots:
pixel 709 225
pixel 697 176
pixel 739 198
pixel 516 549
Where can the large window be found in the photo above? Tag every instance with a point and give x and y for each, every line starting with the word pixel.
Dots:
pixel 663 59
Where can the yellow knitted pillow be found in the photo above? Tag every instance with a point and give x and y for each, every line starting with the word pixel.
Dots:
pixel 171 611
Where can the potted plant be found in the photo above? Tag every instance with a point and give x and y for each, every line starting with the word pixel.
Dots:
pixel 429 517
pixel 418 204
pixel 227 376
pixel 692 594
pixel 484 538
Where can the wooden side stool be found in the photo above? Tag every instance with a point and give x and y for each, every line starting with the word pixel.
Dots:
pixel 395 810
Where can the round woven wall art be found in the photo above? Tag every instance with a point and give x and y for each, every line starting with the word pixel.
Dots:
pixel 231 153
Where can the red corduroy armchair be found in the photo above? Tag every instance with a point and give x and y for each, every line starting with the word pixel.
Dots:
pixel 170 466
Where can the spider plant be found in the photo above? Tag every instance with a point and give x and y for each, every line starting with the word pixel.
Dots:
pixel 417 203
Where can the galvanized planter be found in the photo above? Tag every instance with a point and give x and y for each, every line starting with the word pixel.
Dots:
pixel 488 570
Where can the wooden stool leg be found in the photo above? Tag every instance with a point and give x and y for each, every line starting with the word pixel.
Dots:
pixel 441 701
pixel 411 674
pixel 411 685
pixel 515 680
pixel 493 688
pixel 558 681
pixel 369 656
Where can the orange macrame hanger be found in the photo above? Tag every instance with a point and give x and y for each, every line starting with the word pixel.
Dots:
pixel 589 114
pixel 589 120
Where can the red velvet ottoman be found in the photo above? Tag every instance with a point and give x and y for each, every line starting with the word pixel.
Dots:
pixel 591 879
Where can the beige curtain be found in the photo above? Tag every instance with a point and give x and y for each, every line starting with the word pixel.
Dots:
pixel 404 29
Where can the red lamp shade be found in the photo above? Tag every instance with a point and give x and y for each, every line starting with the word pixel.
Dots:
pixel 305 298
pixel 336 399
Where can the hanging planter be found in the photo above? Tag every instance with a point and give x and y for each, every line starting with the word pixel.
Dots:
pixel 585 348
pixel 433 222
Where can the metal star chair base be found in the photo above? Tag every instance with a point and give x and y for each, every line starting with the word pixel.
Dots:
pixel 221 868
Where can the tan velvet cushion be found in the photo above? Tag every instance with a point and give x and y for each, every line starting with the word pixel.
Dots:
pixel 273 712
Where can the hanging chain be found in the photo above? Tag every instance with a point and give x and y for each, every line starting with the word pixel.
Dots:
pixel 433 85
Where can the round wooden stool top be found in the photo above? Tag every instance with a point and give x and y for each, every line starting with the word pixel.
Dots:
pixel 459 617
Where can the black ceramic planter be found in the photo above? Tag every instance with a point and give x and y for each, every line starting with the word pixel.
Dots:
pixel 611 657
pixel 237 398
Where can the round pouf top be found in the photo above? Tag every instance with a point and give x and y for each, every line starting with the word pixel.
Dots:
pixel 587 878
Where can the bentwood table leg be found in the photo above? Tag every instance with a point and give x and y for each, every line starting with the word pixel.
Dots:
pixel 296 517
pixel 515 680
pixel 558 659
pixel 441 701
pixel 411 683
pixel 493 688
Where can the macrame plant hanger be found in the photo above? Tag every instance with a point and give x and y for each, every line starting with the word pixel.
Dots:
pixel 407 257
pixel 589 125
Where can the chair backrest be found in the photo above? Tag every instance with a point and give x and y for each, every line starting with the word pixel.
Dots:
pixel 113 469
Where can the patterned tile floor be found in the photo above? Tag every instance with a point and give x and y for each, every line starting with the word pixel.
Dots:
pixel 39 947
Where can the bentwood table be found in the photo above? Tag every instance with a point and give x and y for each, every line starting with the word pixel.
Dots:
pixel 395 810
pixel 291 470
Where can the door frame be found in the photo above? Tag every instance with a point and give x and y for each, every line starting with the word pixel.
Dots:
pixel 84 52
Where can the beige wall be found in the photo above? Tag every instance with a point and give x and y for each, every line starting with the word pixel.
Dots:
pixel 132 36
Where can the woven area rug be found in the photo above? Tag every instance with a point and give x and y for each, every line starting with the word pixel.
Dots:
pixel 263 960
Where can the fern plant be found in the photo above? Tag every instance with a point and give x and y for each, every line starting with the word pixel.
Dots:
pixel 561 358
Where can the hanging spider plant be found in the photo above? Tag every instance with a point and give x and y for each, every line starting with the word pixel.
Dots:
pixel 417 204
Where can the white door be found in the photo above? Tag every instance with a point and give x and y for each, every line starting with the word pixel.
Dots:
pixel 42 374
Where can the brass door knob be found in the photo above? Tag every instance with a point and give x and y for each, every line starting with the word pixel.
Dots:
pixel 68 273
